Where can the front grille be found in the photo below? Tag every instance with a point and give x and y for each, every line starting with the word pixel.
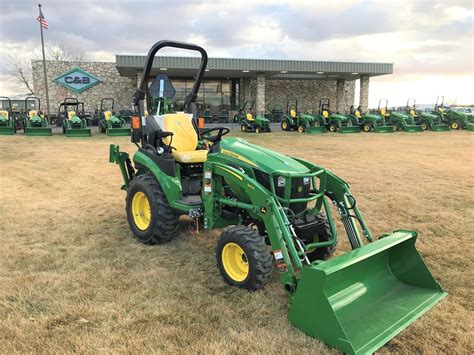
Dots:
pixel 298 189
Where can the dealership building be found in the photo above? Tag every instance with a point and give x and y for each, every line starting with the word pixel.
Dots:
pixel 228 82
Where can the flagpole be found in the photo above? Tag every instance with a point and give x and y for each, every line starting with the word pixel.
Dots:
pixel 44 67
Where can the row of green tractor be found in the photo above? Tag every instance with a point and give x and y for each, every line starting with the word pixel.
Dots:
pixel 274 212
pixel 70 118
pixel 381 120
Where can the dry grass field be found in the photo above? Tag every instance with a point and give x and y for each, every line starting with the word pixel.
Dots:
pixel 72 278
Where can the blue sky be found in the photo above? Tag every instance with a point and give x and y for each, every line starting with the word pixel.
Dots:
pixel 429 41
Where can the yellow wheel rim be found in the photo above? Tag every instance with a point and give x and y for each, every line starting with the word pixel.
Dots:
pixel 366 128
pixel 301 129
pixel 332 128
pixel 284 125
pixel 243 128
pixel 141 210
pixel 424 126
pixel 454 125
pixel 235 262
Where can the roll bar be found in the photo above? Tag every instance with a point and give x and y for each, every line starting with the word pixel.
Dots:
pixel 9 101
pixel 107 99
pixel 29 98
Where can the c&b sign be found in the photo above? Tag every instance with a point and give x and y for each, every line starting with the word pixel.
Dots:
pixel 77 80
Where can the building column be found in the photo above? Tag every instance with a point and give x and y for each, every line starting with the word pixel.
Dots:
pixel 139 78
pixel 364 93
pixel 340 86
pixel 260 94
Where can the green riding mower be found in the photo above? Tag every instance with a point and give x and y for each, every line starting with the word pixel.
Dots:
pixel 71 119
pixel 275 112
pixel 276 211
pixel 250 123
pixel 370 122
pixel 34 122
pixel 426 120
pixel 293 119
pixel 454 119
pixel 336 122
pixel 401 121
pixel 110 123
pixel 7 120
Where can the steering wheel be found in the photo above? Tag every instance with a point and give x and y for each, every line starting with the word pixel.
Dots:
pixel 221 131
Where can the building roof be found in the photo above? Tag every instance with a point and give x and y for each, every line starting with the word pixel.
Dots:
pixel 129 65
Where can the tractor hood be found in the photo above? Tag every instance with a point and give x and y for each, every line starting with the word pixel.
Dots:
pixel 258 157
pixel 338 116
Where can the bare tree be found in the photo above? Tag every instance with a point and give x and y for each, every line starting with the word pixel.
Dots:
pixel 19 66
pixel 20 69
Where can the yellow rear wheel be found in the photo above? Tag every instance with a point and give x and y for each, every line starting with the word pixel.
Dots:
pixel 454 125
pixel 141 211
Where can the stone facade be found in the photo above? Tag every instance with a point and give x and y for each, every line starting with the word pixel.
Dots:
pixel 364 93
pixel 112 85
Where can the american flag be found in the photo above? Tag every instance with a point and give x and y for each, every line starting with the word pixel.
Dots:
pixel 42 20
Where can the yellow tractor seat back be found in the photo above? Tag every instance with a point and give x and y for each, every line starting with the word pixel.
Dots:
pixel 4 113
pixel 383 111
pixel 413 113
pixel 440 109
pixel 107 115
pixel 250 117
pixel 325 114
pixel 358 114
pixel 71 114
pixel 184 139
pixel 293 113
pixel 32 114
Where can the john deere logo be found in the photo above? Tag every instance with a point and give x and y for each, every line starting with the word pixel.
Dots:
pixel 300 188
pixel 77 80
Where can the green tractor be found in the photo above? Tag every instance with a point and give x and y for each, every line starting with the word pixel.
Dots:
pixel 7 120
pixel 110 123
pixel 275 112
pixel 370 122
pixel 276 211
pixel 34 122
pixel 454 119
pixel 71 119
pixel 249 123
pixel 293 119
pixel 400 120
pixel 426 120
pixel 336 122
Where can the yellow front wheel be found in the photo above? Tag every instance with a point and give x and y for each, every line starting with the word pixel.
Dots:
pixel 455 125
pixel 243 258
pixel 141 211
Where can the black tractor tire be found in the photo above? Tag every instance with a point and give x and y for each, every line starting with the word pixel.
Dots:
pixel 258 130
pixel 425 125
pixel 366 127
pixel 301 128
pixel 285 125
pixel 256 256
pixel 164 220
pixel 324 252
pixel 332 127
pixel 455 125
pixel 243 128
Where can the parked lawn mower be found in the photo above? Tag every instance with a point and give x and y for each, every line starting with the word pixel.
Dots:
pixel 400 120
pixel 426 120
pixel 293 119
pixel 356 302
pixel 34 122
pixel 249 123
pixel 370 122
pixel 71 119
pixel 223 115
pixel 110 123
pixel 336 122
pixel 275 112
pixel 7 120
pixel 454 119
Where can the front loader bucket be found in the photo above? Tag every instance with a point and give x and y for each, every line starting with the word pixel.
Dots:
pixel 115 132
pixel 78 132
pixel 358 301
pixel 349 129
pixel 6 131
pixel 440 127
pixel 38 131
pixel 470 127
pixel 412 128
pixel 384 129
pixel 316 130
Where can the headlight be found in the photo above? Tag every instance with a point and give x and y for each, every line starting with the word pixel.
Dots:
pixel 281 181
pixel 306 180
